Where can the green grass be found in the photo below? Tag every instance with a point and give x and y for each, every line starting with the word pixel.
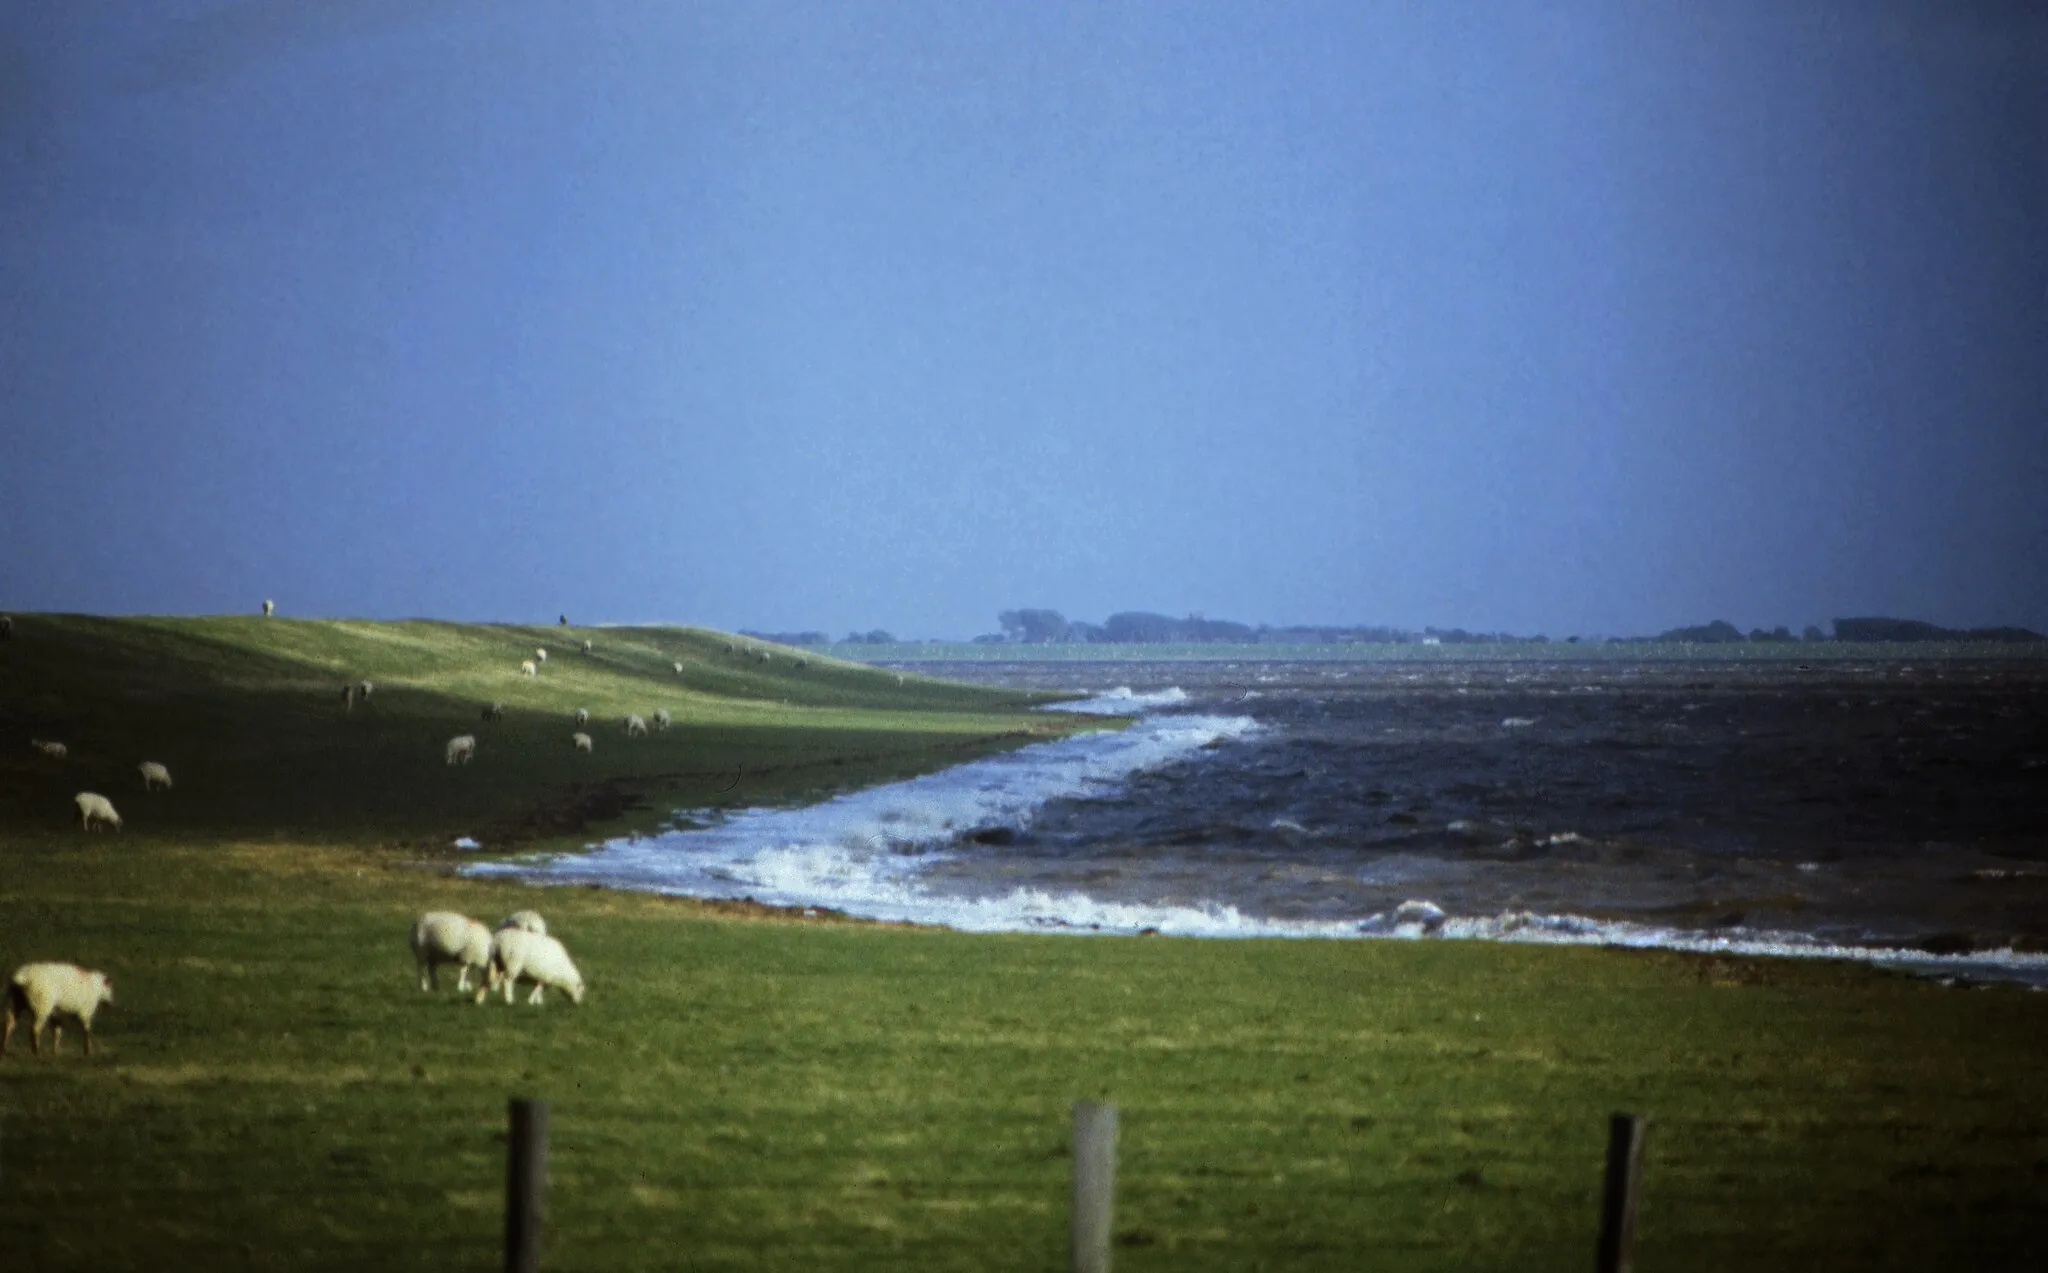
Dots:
pixel 247 715
pixel 272 1091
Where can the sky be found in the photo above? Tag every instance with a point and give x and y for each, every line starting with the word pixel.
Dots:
pixel 1590 318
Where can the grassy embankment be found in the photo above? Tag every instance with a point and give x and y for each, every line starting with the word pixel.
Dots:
pixel 272 1092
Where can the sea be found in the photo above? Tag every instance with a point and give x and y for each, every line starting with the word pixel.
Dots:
pixel 1888 811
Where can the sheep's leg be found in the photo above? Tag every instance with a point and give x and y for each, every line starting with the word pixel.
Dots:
pixel 7 1036
pixel 56 1038
pixel 428 980
pixel 462 980
pixel 87 1027
pixel 535 996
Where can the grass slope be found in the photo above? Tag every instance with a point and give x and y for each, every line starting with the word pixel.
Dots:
pixel 272 1091
pixel 248 716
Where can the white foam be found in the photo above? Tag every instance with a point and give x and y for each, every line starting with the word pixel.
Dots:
pixel 1123 701
pixel 862 851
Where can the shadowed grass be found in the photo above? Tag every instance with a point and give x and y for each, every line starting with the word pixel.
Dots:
pixel 247 714
pixel 752 1091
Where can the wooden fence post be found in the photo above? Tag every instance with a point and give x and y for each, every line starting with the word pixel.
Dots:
pixel 1094 1187
pixel 1617 1252
pixel 526 1178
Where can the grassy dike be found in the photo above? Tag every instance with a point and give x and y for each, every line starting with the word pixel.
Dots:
pixel 758 1091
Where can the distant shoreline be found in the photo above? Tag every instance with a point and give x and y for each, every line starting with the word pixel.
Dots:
pixel 1817 652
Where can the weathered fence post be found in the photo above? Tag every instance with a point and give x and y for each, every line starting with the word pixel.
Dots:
pixel 526 1179
pixel 1094 1187
pixel 1618 1198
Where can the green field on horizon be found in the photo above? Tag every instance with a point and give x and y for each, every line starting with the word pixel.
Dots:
pixel 744 1089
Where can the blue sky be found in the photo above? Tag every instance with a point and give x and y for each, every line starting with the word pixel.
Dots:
pixel 1589 318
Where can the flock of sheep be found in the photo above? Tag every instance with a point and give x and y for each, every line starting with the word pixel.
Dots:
pixel 519 950
pixel 461 749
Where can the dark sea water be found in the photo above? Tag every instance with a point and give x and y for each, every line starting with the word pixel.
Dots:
pixel 1888 810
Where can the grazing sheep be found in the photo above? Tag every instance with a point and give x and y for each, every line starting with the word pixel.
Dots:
pixel 444 937
pixel 494 711
pixel 661 720
pixel 678 667
pixel 93 807
pixel 268 606
pixel 528 669
pixel 517 954
pixel 55 751
pixel 635 727
pixel 461 748
pixel 582 716
pixel 525 921
pixel 6 627
pixel 764 656
pixel 42 991
pixel 363 689
pixel 541 654
pixel 582 741
pixel 586 647
pixel 154 775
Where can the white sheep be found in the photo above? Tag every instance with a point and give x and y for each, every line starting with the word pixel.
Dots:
pixel 55 751
pixel 528 669
pixel 154 775
pixel 661 718
pixel 93 806
pixel 541 654
pixel 42 991
pixel 461 748
pixel 586 647
pixel 268 606
pixel 444 937
pixel 635 727
pixel 582 741
pixel 678 667
pixel 525 921
pixel 582 717
pixel 363 689
pixel 517 954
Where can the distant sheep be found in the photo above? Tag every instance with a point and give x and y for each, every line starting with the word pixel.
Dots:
pixel 541 654
pixel 678 667
pixel 802 662
pixel 528 669
pixel 461 748
pixel 268 607
pixel 764 656
pixel 154 775
pixel 55 751
pixel 582 741
pixel 6 627
pixel 494 711
pixel 444 937
pixel 363 689
pixel 586 647
pixel 525 921
pixel 517 954
pixel 582 716
pixel 635 727
pixel 43 991
pixel 661 718
pixel 94 807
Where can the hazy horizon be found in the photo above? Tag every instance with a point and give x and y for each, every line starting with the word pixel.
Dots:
pixel 1589 319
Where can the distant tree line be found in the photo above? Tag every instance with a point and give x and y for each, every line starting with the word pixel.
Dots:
pixel 1139 627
